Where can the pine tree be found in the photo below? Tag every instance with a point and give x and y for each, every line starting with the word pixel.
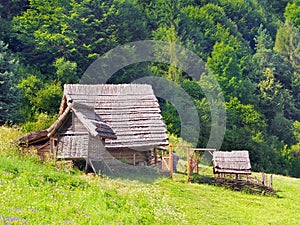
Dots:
pixel 292 12
pixel 9 97
pixel 287 43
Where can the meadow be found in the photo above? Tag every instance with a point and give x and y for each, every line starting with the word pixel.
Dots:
pixel 35 192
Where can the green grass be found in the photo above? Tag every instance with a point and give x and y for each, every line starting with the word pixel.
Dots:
pixel 35 193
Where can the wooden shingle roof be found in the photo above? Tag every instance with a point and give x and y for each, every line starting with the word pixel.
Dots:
pixel 93 122
pixel 130 110
pixel 234 162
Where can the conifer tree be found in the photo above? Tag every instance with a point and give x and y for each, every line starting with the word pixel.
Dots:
pixel 9 97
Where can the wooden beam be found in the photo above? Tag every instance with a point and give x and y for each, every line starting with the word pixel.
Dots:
pixel 171 160
pixel 155 155
pixel 209 150
pixel 55 126
pixel 188 165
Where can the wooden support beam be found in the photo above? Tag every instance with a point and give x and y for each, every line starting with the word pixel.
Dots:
pixel 155 155
pixel 188 165
pixel 171 160
pixel 263 179
pixel 51 147
pixel 236 176
pixel 86 166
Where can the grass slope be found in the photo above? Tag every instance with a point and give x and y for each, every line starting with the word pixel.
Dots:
pixel 32 193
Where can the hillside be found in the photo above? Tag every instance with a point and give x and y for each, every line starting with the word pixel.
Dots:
pixel 33 192
pixel 250 47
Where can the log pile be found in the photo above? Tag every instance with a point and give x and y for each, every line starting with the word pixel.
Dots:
pixel 252 186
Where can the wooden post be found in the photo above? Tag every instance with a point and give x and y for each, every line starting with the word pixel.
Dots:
pixel 188 165
pixel 134 159
pixel 155 155
pixel 271 181
pixel 263 179
pixel 197 167
pixel 236 176
pixel 51 148
pixel 171 161
pixel 86 166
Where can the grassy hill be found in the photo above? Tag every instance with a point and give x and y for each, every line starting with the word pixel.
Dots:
pixel 33 192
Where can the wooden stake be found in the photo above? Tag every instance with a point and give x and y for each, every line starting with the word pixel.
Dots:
pixel 236 177
pixel 188 165
pixel 171 161
pixel 86 166
pixel 51 148
pixel 263 178
pixel 134 159
pixel 155 155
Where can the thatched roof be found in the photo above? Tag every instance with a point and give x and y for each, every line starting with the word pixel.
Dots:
pixel 235 162
pixel 126 116
pixel 130 110
pixel 34 137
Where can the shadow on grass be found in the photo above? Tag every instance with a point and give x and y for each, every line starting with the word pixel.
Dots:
pixel 235 185
pixel 145 174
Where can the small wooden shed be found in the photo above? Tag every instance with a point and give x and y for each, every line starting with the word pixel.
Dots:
pixel 233 162
pixel 123 119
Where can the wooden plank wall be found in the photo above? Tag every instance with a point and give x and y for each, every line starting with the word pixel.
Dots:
pixel 130 156
pixel 70 146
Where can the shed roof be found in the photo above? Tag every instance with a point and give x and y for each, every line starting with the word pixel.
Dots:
pixel 130 110
pixel 34 137
pixel 231 162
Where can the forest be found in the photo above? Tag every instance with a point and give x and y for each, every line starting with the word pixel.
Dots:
pixel 251 46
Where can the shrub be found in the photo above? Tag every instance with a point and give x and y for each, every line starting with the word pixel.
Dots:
pixel 43 122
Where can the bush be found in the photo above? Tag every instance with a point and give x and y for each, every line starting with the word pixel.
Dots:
pixel 43 121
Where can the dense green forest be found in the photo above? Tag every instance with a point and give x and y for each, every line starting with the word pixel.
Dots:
pixel 251 46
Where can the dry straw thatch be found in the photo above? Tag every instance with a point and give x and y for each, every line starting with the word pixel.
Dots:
pixel 234 162
pixel 130 110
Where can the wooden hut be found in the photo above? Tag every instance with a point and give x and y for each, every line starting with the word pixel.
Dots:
pixel 234 162
pixel 123 119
